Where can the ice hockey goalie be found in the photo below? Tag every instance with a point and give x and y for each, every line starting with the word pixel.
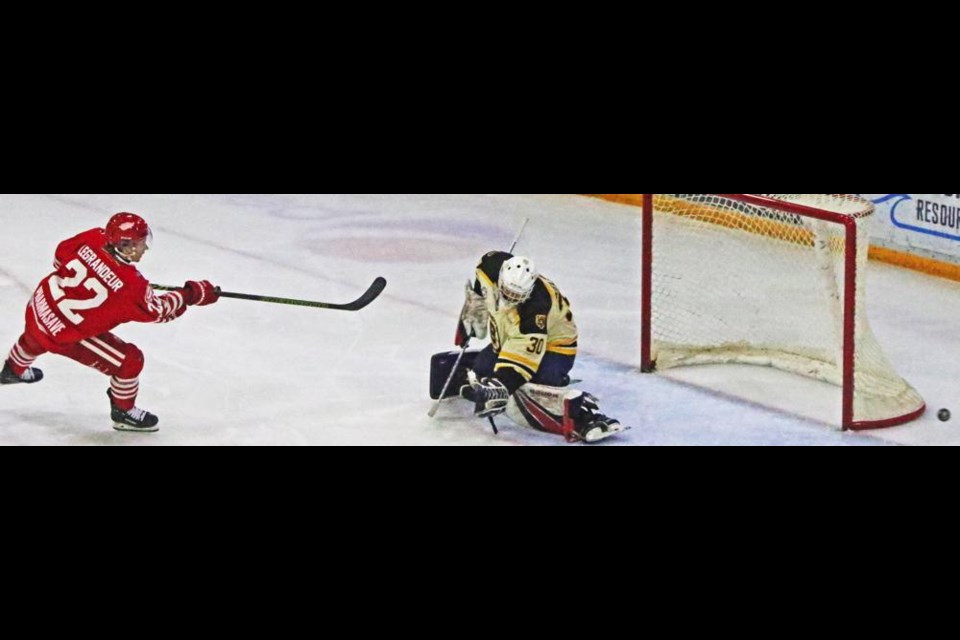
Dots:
pixel 524 371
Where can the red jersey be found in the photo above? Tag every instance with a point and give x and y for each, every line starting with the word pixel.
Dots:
pixel 91 292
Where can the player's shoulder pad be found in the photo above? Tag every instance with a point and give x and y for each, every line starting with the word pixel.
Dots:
pixel 96 238
pixel 90 236
pixel 535 311
pixel 135 280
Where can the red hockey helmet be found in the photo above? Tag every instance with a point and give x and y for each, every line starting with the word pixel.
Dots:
pixel 127 226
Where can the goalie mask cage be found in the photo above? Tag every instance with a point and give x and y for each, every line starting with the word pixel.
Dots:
pixel 769 279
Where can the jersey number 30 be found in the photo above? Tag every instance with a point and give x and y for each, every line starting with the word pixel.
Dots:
pixel 68 307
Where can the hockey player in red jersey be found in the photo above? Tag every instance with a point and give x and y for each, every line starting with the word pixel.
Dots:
pixel 95 287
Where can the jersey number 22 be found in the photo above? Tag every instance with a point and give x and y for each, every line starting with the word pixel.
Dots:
pixel 69 307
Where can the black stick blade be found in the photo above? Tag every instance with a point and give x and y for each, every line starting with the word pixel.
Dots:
pixel 371 294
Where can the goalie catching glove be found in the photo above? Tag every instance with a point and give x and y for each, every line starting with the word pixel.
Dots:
pixel 473 317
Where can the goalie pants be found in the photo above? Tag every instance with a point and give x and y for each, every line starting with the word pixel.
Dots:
pixel 553 371
pixel 106 353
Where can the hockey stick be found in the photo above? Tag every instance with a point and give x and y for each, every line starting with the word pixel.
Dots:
pixel 466 344
pixel 519 233
pixel 446 385
pixel 375 289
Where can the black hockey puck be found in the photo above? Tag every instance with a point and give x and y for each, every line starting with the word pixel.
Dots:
pixel 943 414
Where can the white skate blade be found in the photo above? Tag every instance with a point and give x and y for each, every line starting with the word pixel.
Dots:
pixel 598 434
pixel 119 426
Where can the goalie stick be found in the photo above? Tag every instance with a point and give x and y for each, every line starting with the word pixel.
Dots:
pixel 371 294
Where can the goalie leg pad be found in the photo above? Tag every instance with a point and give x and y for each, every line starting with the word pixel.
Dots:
pixel 541 407
pixel 570 413
pixel 440 366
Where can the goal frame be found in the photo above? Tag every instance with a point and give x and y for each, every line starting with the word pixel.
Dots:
pixel 849 224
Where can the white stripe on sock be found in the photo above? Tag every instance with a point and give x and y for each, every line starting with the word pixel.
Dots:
pixel 15 360
pixel 28 357
pixel 19 361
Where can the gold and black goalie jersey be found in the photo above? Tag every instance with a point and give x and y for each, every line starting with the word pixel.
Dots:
pixel 522 335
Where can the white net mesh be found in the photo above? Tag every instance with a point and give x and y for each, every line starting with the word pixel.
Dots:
pixel 738 283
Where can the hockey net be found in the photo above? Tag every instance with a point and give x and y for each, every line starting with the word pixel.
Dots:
pixel 769 279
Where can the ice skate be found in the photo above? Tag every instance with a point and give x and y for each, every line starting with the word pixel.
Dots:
pixel 133 420
pixel 590 425
pixel 31 375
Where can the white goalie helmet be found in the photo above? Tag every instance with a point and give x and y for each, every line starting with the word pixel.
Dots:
pixel 517 277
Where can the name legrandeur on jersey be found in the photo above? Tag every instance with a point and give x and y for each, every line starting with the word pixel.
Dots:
pixel 109 278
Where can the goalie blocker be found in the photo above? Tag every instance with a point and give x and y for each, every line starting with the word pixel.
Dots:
pixel 566 412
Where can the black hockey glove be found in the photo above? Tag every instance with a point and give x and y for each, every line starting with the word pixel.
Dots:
pixel 491 397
